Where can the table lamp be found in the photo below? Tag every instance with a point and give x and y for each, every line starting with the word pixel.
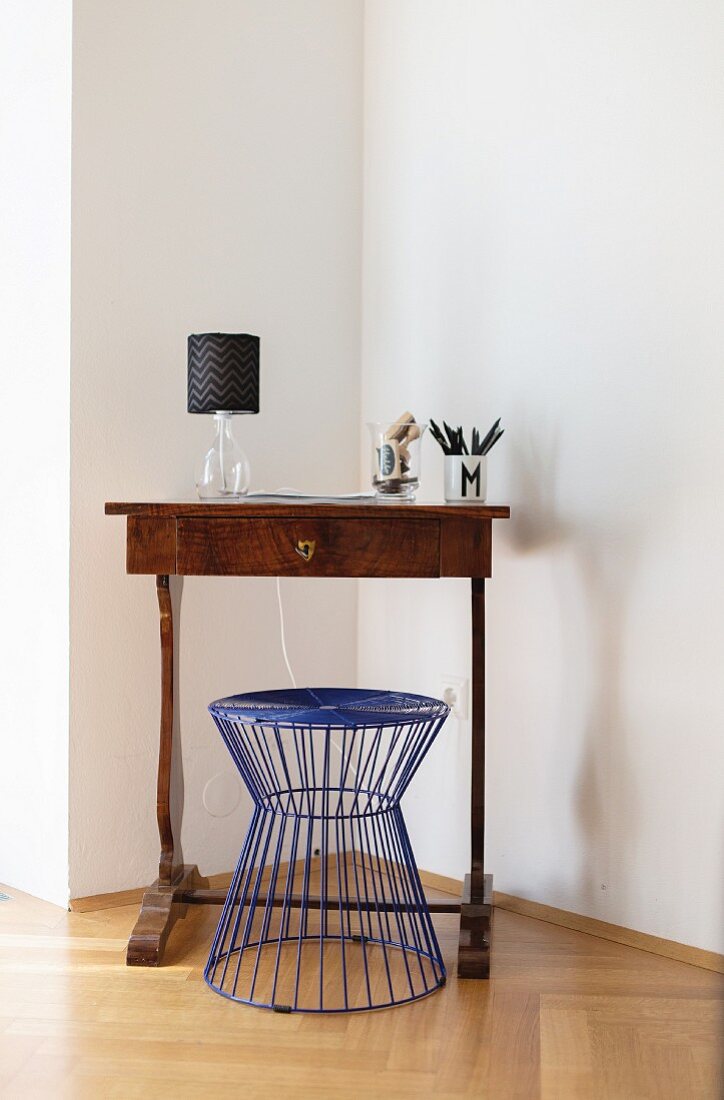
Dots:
pixel 223 379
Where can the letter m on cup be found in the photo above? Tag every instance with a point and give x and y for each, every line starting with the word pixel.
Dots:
pixel 469 478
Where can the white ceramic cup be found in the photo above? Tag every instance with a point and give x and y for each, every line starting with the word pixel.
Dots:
pixel 466 477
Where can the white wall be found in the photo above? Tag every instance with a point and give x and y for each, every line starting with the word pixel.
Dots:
pixel 543 241
pixel 217 186
pixel 35 83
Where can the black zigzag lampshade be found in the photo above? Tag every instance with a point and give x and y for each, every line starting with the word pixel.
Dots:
pixel 223 373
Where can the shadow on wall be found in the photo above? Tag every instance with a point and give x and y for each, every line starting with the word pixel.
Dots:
pixel 594 567
pixel 606 795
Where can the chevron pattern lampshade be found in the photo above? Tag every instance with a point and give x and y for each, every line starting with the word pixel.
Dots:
pixel 223 373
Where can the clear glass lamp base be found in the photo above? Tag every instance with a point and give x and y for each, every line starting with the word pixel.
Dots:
pixel 223 473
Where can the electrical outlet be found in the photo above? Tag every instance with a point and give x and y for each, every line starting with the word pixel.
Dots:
pixel 454 690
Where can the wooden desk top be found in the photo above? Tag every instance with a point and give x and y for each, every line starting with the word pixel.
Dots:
pixel 267 508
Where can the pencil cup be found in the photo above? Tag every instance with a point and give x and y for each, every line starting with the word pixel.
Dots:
pixel 466 477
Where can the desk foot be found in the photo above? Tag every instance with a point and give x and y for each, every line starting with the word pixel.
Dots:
pixel 160 909
pixel 475 932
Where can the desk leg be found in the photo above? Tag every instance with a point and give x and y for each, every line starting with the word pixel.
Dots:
pixel 160 906
pixel 476 907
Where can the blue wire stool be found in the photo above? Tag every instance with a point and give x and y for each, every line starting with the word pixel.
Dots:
pixel 326 912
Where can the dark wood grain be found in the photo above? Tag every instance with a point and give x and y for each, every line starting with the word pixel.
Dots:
pixel 162 905
pixel 474 946
pixel 475 930
pixel 168 865
pixel 342 547
pixel 477 771
pixel 349 509
pixel 151 544
pixel 295 901
pixel 465 546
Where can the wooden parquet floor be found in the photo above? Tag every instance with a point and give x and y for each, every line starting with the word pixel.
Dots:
pixel 565 1015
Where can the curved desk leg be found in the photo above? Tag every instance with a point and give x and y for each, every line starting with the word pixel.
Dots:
pixel 160 906
pixel 476 906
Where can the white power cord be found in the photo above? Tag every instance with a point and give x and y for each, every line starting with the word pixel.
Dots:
pixel 292 677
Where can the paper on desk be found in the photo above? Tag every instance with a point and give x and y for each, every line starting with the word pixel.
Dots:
pixel 298 495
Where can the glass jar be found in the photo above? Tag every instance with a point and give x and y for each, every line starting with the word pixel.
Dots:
pixel 396 458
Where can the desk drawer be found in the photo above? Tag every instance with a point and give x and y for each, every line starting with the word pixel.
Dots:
pixel 298 547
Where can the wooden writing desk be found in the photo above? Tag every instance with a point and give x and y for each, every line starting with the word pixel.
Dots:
pixel 303 539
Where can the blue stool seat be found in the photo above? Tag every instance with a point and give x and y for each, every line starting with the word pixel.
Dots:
pixel 326 912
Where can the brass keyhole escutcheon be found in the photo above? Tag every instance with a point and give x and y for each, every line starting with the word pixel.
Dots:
pixel 305 548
